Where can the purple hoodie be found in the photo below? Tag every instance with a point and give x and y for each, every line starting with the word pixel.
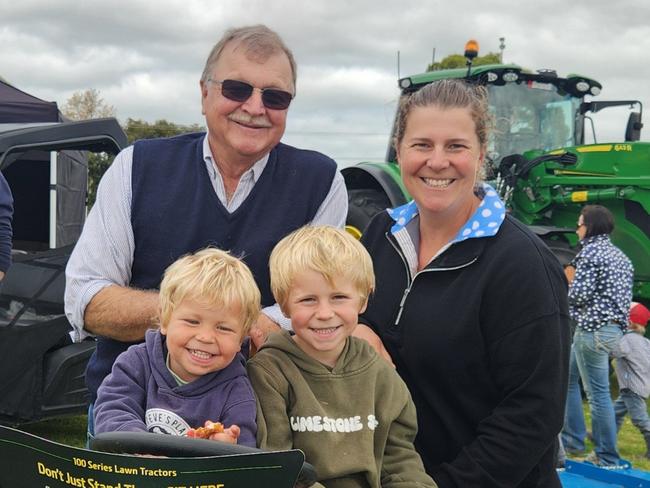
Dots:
pixel 141 394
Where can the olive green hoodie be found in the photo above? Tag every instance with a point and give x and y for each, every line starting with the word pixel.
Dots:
pixel 355 422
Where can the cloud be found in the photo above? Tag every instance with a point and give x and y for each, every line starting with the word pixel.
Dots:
pixel 146 57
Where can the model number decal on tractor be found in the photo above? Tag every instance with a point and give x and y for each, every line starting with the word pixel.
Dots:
pixel 622 147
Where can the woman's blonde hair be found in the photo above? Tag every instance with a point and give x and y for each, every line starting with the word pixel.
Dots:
pixel 210 276
pixel 327 250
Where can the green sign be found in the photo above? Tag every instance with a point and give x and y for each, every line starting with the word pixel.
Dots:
pixel 32 462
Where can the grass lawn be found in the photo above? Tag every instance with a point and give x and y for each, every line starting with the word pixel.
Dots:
pixel 65 430
pixel 72 431
pixel 631 445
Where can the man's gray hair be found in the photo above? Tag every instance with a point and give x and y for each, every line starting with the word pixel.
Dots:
pixel 260 43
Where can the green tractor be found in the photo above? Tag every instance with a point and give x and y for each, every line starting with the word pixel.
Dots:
pixel 538 161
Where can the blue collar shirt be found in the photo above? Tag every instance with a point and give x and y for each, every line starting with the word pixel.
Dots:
pixel 484 222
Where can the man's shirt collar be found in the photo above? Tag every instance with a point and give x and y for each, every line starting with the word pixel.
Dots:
pixel 255 170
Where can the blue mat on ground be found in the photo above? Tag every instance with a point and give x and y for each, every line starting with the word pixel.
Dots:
pixel 586 475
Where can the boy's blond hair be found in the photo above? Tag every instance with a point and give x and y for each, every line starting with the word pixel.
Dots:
pixel 210 276
pixel 327 250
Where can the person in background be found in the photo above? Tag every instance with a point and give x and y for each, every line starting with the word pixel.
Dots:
pixel 470 304
pixel 236 187
pixel 633 373
pixel 189 371
pixel 599 296
pixel 6 215
pixel 321 390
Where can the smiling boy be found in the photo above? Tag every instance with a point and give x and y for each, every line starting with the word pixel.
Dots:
pixel 321 390
pixel 190 371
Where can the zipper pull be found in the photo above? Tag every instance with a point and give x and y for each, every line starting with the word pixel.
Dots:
pixel 401 305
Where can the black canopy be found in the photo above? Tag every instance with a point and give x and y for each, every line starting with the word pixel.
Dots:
pixel 41 372
pixel 16 106
pixel 30 180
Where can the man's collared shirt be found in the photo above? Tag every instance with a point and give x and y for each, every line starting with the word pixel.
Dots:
pixel 104 253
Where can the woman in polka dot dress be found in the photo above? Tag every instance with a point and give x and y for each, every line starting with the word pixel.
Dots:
pixel 599 300
pixel 469 303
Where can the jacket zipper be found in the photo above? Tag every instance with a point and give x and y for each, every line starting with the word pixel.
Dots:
pixel 409 282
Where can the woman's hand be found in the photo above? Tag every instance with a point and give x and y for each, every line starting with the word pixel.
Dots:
pixel 569 272
pixel 364 332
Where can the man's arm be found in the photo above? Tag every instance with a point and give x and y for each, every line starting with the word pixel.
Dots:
pixel 97 297
pixel 122 313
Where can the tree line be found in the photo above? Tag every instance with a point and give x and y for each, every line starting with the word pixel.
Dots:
pixel 88 104
pixel 458 61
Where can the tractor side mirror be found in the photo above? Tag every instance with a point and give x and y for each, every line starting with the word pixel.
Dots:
pixel 634 126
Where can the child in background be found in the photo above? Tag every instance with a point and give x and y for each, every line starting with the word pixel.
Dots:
pixel 633 373
pixel 321 390
pixel 189 372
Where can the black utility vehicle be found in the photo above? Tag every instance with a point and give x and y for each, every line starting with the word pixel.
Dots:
pixel 41 370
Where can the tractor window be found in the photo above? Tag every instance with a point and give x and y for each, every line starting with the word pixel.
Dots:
pixel 530 116
pixel 556 124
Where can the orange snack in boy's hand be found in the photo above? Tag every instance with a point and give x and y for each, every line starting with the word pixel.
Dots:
pixel 206 431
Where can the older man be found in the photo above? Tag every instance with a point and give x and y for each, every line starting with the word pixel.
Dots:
pixel 236 188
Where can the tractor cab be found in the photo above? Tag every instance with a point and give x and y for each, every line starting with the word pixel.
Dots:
pixel 531 110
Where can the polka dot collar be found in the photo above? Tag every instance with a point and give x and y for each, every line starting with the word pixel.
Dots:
pixel 485 221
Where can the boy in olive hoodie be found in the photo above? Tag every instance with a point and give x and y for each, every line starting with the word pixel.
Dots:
pixel 323 391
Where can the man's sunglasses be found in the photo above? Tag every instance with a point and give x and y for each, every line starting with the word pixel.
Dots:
pixel 240 91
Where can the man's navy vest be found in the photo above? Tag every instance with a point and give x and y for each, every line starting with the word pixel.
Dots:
pixel 175 211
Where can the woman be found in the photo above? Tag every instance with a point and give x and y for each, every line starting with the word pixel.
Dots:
pixel 600 295
pixel 469 303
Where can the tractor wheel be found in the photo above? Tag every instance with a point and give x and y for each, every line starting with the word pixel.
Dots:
pixel 561 249
pixel 363 205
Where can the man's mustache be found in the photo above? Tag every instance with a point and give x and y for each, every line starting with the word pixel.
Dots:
pixel 242 118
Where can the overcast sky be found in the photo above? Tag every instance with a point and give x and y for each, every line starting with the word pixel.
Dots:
pixel 146 56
